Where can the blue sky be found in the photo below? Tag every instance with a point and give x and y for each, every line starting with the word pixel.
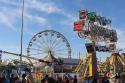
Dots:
pixel 58 15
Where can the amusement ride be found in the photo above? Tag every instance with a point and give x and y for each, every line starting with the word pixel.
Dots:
pixel 47 47
pixel 102 38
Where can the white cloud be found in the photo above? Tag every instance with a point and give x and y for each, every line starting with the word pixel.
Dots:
pixel 11 17
pixel 12 2
pixel 121 38
pixel 38 19
pixel 4 19
pixel 8 18
pixel 48 7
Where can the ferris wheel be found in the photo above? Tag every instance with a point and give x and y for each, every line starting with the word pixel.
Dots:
pixel 49 42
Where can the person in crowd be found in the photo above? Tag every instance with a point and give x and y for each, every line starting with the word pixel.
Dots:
pixel 12 79
pixel 117 78
pixel 24 78
pixel 17 79
pixel 1 78
pixel 94 80
pixel 89 79
pixel 30 78
pixel 59 80
pixel 5 80
pixel 75 79
pixel 66 80
pixel 51 80
pixel 45 79
pixel 48 79
pixel 105 80
pixel 4 77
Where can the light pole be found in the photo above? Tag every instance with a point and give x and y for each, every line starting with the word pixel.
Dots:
pixel 0 55
pixel 21 43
